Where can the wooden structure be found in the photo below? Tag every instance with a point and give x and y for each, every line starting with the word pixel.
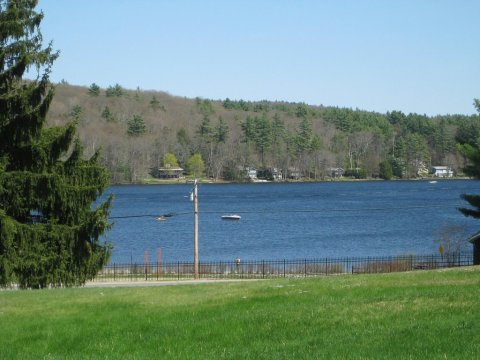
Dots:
pixel 167 173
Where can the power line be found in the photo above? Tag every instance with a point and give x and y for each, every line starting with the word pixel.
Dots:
pixel 149 215
pixel 398 208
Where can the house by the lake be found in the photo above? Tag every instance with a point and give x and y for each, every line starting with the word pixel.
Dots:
pixel 167 172
pixel 251 173
pixel 294 173
pixel 277 174
pixel 442 171
pixel 336 172
pixel 271 174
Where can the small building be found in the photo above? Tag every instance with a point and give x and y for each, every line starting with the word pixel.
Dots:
pixel 294 173
pixel 168 173
pixel 270 174
pixel 277 174
pixel 336 172
pixel 475 240
pixel 442 171
pixel 251 173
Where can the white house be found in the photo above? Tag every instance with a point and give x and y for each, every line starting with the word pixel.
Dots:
pixel 277 174
pixel 251 173
pixel 442 171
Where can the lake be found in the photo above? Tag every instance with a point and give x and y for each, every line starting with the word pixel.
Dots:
pixel 287 220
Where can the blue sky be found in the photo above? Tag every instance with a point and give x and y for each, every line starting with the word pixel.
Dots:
pixel 381 55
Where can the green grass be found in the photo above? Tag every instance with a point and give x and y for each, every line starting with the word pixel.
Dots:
pixel 416 315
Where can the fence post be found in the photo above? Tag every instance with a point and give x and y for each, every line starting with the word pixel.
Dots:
pixel 263 269
pixel 178 270
pixel 305 267
pixel 284 267
pixel 113 271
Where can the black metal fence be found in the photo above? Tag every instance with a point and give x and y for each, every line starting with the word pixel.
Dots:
pixel 280 268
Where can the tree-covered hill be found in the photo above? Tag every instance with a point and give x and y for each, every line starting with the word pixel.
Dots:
pixel 137 128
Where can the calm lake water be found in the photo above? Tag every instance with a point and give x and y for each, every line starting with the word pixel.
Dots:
pixel 293 221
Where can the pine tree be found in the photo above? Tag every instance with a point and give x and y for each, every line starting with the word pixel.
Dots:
pixel 108 115
pixel 154 103
pixel 49 233
pixel 474 201
pixel 472 153
pixel 473 169
pixel 136 126
pixel 114 91
pixel 94 90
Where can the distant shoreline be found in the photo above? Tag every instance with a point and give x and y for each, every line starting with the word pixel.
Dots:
pixel 220 182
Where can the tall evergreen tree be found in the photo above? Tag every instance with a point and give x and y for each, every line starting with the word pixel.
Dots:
pixel 205 129
pixel 474 201
pixel 249 130
pixel 49 233
pixel 304 135
pixel 473 169
pixel 136 126
pixel 472 153
pixel 263 136
pixel 221 131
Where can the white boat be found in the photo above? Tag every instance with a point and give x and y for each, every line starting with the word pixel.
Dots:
pixel 231 217
pixel 433 182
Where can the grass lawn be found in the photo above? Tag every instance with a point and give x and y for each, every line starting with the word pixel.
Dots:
pixel 415 315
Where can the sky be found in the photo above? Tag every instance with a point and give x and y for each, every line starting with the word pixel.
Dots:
pixel 415 56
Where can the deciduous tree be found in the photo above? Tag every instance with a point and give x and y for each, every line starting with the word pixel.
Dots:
pixel 170 160
pixel 195 165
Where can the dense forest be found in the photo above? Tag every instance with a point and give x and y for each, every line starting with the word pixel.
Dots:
pixel 139 131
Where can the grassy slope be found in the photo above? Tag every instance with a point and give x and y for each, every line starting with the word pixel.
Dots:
pixel 420 315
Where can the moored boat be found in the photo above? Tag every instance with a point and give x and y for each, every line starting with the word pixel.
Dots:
pixel 231 217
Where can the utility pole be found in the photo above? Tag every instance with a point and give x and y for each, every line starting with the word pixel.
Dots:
pixel 195 228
